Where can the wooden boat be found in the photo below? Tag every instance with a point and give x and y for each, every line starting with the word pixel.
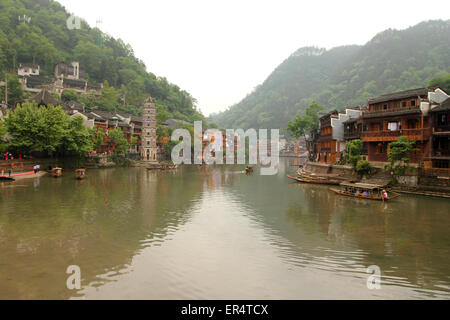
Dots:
pixel 315 180
pixel 56 172
pixel 80 174
pixel 7 179
pixel 162 167
pixel 365 191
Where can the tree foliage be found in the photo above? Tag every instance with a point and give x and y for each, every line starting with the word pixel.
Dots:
pixel 346 75
pixel 301 125
pixel 15 91
pixel 441 82
pixel 69 95
pixel 118 140
pixel 401 151
pixel 46 40
pixel 78 138
pixel 3 144
pixel 47 130
pixel 353 155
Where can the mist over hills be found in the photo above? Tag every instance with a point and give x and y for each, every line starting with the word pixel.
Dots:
pixel 37 32
pixel 393 60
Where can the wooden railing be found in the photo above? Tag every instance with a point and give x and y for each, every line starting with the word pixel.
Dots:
pixel 398 109
pixel 441 172
pixel 412 134
pixel 441 153
pixel 438 129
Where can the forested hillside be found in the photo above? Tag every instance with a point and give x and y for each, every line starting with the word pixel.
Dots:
pixel 45 39
pixel 392 61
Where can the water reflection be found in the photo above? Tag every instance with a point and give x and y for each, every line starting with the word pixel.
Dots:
pixel 214 232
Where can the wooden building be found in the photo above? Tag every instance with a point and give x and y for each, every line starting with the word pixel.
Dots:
pixel 327 147
pixel 440 141
pixel 393 115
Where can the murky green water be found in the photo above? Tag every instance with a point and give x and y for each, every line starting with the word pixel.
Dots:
pixel 215 233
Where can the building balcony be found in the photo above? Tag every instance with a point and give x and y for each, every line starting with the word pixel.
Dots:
pixel 441 130
pixel 441 153
pixel 352 135
pixel 387 135
pixel 324 137
pixel 390 112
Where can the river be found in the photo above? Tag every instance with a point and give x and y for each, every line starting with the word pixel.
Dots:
pixel 213 232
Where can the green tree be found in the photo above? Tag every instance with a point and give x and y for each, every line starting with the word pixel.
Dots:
pixel 99 138
pixel 301 125
pixel 118 139
pixel 401 151
pixel 15 91
pixel 441 82
pixel 363 167
pixel 353 155
pixel 37 129
pixel 47 130
pixel 78 139
pixel 3 131
pixel 109 99
pixel 69 95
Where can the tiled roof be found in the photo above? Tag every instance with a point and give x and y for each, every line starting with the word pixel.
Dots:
pixel 45 98
pixel 443 106
pixel 400 95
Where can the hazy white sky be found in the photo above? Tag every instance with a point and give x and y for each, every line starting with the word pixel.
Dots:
pixel 219 51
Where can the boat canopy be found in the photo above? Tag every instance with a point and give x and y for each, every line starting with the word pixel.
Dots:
pixel 366 186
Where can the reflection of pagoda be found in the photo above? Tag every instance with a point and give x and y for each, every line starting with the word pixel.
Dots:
pixel 149 149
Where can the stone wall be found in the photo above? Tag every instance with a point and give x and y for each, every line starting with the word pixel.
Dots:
pixel 344 172
pixel 434 181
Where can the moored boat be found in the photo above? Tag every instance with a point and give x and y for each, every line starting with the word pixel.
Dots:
pixel 2 178
pixel 365 191
pixel 80 173
pixel 315 180
pixel 162 167
pixel 56 172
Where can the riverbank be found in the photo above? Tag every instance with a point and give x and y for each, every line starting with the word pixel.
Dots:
pixel 26 175
pixel 416 184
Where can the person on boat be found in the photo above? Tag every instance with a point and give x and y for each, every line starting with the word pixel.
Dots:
pixel 357 192
pixel 365 193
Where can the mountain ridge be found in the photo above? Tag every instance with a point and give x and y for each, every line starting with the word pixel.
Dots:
pixel 393 60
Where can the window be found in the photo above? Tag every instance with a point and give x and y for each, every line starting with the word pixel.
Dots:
pixel 404 104
pixel 385 107
pixel 413 103
pixel 394 125
pixel 443 119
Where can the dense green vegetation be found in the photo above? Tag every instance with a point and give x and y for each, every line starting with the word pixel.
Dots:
pixel 392 61
pixel 48 131
pixel 441 82
pixel 400 154
pixel 302 125
pixel 46 40
pixel 3 144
